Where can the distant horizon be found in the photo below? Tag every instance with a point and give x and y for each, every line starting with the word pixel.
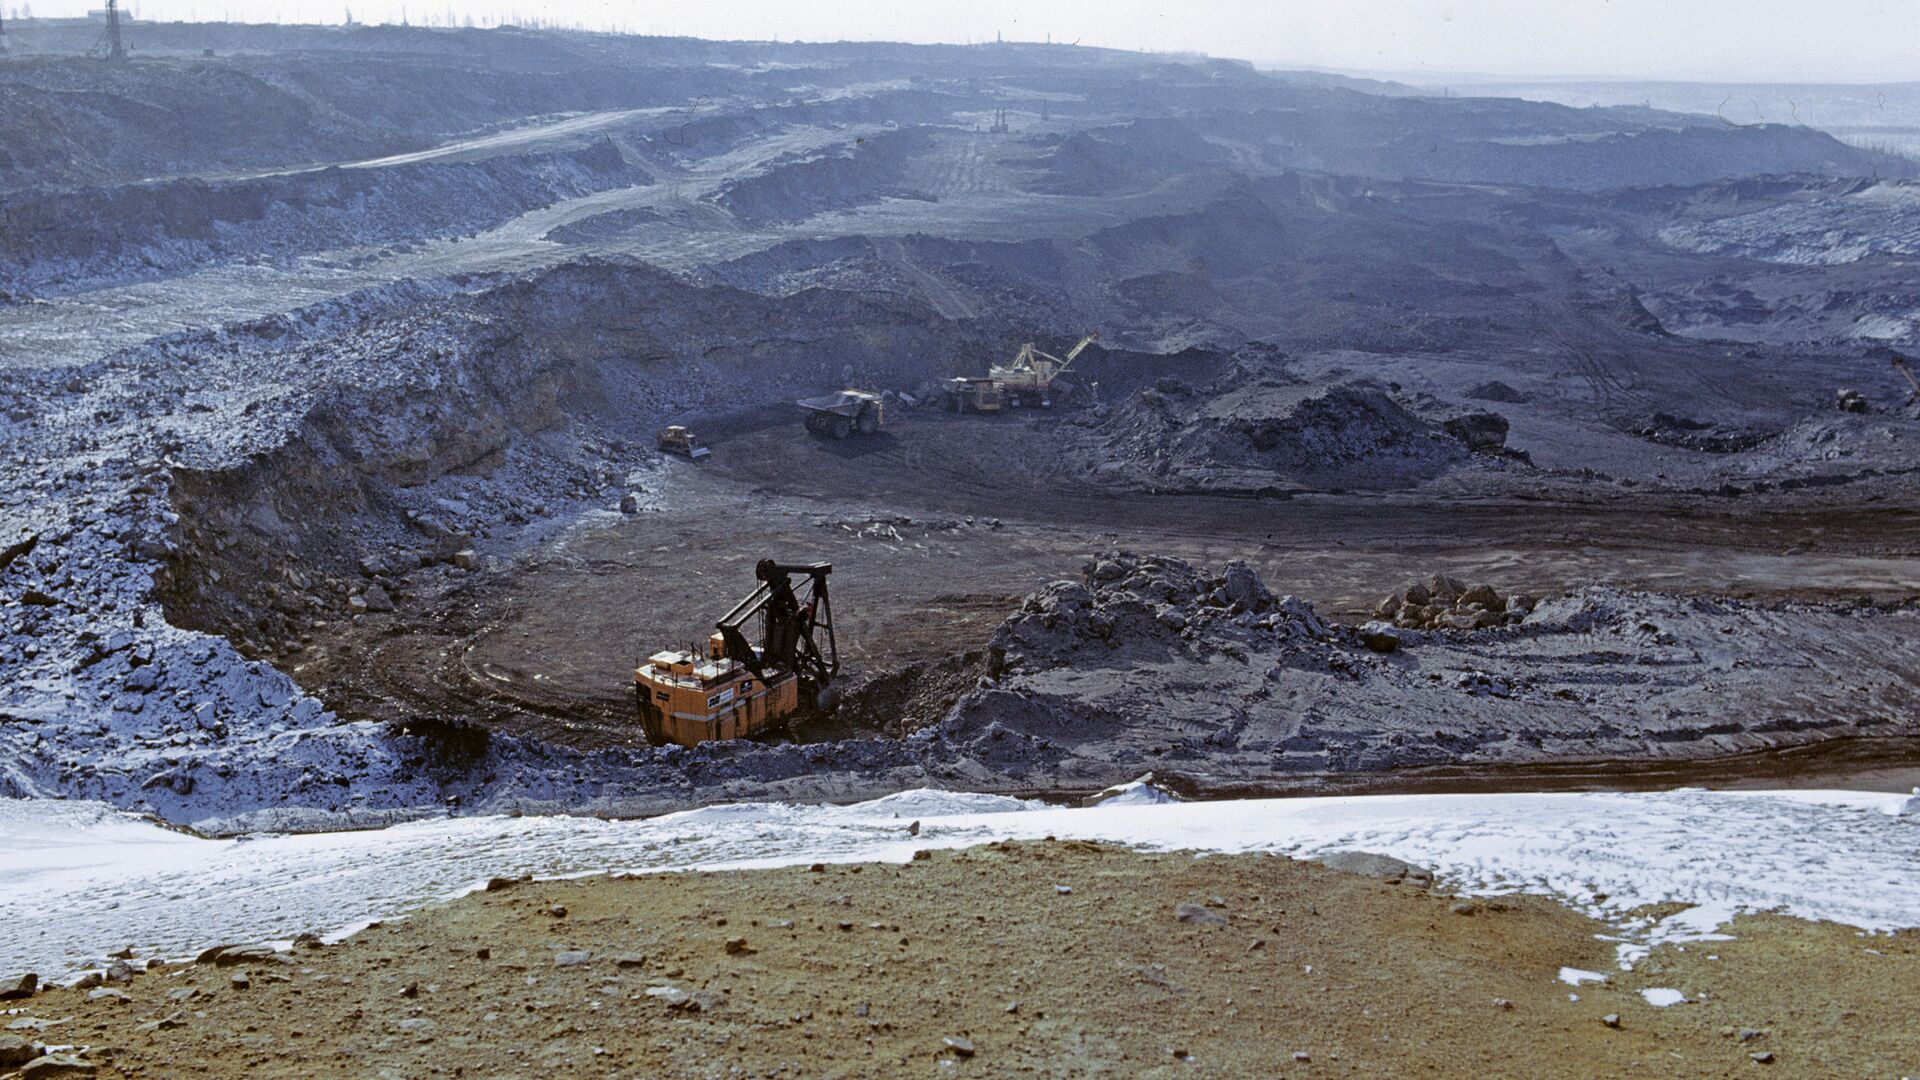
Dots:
pixel 1421 42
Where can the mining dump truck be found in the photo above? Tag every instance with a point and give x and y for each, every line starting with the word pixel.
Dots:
pixel 1033 380
pixel 678 440
pixel 837 416
pixel 768 660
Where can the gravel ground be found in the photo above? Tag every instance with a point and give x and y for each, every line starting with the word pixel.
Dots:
pixel 1059 958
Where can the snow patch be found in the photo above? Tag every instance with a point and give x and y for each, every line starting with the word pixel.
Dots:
pixel 83 878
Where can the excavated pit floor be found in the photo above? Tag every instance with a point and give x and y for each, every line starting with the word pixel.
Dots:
pixel 939 527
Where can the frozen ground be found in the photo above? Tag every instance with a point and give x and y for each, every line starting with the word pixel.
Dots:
pixel 85 879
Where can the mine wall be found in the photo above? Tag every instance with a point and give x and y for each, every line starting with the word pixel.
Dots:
pixel 799 187
pixel 376 493
pixel 62 240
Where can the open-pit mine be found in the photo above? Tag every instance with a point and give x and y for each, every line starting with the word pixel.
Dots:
pixel 391 418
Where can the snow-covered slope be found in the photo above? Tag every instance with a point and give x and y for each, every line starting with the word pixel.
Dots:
pixel 84 879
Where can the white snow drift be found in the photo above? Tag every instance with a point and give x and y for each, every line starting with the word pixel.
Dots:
pixel 82 879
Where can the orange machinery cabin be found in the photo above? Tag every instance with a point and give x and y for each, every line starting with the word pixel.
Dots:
pixel 688 699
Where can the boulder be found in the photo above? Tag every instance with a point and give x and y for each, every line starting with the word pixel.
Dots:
pixel 1385 867
pixel 1379 637
pixel 1483 596
pixel 1480 431
pixel 17 1050
pixel 1244 587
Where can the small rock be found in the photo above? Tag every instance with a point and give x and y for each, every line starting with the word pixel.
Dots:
pixel 558 911
pixel 171 1020
pixel 1302 1056
pixel 629 503
pixel 863 1010
pixel 1612 1020
pixel 411 990
pixel 1763 1057
pixel 630 960
pixel 1750 1034
pixel 672 995
pixel 572 958
pixel 377 598
pixel 1198 915
pixel 960 1045
pixel 108 993
pixel 52 1065
pixel 1464 907
pixel 234 955
pixel 23 987
pixel 182 993
pixel 465 559
pixel 241 982
pixel 913 829
pixel 483 953
pixel 738 947
pixel 1063 890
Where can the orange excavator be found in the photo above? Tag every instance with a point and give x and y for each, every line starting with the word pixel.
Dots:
pixel 741 687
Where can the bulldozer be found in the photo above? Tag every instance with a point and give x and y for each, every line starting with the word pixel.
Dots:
pixel 839 415
pixel 1032 380
pixel 678 440
pixel 741 687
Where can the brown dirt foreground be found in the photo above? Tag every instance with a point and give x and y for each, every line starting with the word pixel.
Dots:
pixel 1049 958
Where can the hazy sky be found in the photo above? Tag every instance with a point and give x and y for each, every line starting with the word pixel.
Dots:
pixel 1772 40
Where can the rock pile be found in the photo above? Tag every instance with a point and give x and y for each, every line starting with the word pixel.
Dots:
pixel 1446 603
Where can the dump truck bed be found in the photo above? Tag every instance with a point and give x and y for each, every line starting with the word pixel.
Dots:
pixel 840 403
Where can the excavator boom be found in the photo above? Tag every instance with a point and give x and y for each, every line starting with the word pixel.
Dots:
pixel 1901 365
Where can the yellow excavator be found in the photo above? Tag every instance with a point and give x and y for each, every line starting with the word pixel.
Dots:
pixel 1032 380
pixel 742 687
